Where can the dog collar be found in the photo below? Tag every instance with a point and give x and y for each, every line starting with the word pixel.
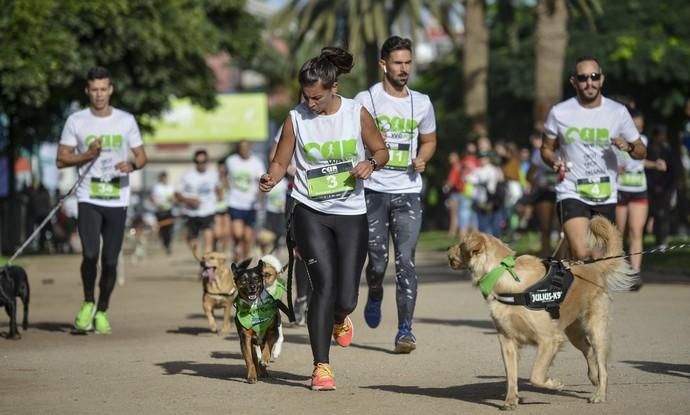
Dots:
pixel 488 281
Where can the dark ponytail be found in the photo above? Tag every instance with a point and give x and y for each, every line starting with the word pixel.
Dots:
pixel 326 67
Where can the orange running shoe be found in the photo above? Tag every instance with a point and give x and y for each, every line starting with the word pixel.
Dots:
pixel 342 333
pixel 322 378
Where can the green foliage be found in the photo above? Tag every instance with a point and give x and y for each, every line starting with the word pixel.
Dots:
pixel 153 48
pixel 644 49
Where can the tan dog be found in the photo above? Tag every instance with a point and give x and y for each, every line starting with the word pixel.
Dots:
pixel 584 313
pixel 219 289
pixel 271 270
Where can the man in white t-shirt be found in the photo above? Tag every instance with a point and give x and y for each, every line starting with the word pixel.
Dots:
pixel 407 123
pixel 198 191
pixel 244 171
pixel 163 196
pixel 98 140
pixel 584 129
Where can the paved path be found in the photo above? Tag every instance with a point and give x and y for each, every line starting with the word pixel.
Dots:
pixel 162 360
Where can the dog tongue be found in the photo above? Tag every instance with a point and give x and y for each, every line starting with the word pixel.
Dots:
pixel 210 273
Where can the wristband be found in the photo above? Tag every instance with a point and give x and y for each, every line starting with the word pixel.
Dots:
pixel 134 165
pixel 373 162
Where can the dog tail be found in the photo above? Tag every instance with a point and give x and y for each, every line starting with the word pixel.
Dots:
pixel 604 240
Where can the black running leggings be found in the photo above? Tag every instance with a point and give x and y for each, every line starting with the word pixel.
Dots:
pixel 93 222
pixel 334 248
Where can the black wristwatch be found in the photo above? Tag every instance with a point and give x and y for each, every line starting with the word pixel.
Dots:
pixel 373 162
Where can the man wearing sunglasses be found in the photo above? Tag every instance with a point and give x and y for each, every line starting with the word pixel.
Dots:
pixel 579 138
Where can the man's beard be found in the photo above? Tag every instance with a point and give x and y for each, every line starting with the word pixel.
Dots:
pixel 398 83
pixel 589 99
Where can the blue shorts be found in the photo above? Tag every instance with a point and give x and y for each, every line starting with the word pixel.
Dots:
pixel 246 216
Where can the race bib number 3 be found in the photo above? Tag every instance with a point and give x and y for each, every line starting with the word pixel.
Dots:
pixel 399 157
pixel 104 189
pixel 330 182
pixel 596 189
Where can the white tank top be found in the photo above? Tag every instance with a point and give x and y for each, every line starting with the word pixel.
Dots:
pixel 327 147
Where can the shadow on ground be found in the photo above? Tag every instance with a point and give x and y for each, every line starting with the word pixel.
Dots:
pixel 671 369
pixel 235 373
pixel 483 393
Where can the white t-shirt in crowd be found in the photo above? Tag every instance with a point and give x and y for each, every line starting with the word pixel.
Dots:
pixel 243 176
pixel 633 178
pixel 202 186
pixel 162 195
pixel 584 137
pixel 276 198
pixel 402 120
pixel 327 148
pixel 103 185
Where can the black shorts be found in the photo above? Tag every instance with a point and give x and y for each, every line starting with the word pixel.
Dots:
pixel 545 196
pixel 573 208
pixel 246 216
pixel 196 224
pixel 625 198
pixel 275 222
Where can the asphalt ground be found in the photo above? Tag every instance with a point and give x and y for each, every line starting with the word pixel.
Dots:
pixel 161 358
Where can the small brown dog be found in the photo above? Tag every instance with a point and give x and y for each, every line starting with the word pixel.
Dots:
pixel 584 312
pixel 219 289
pixel 257 317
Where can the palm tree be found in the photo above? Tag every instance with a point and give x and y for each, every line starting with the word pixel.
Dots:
pixel 551 41
pixel 357 25
pixel 475 65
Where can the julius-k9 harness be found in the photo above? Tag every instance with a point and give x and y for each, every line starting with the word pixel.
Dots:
pixel 546 294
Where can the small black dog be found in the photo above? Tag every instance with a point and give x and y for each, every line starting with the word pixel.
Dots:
pixel 14 283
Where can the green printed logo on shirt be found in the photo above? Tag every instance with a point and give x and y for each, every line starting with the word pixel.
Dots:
pixel 331 150
pixel 108 141
pixel 330 182
pixel 592 136
pixel 395 124
pixel 242 180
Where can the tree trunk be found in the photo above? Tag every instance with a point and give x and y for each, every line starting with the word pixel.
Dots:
pixel 371 59
pixel 551 41
pixel 476 65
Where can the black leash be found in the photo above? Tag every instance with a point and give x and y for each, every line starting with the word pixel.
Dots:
pixel 571 263
pixel 291 244
pixel 51 214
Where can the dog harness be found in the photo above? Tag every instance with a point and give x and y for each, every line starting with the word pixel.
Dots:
pixel 546 294
pixel 259 314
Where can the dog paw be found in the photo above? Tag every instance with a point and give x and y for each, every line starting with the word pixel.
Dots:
pixel 509 405
pixel 251 380
pixel 597 398
pixel 554 384
pixel 225 332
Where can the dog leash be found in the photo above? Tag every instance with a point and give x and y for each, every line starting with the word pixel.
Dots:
pixel 571 262
pixel 51 214
pixel 291 245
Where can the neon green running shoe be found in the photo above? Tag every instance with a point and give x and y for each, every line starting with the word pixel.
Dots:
pixel 84 319
pixel 101 324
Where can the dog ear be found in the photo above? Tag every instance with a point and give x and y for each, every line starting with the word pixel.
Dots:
pixel 474 243
pixel 245 263
pixel 260 267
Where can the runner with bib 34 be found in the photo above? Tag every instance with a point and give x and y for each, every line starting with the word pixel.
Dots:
pixel 584 130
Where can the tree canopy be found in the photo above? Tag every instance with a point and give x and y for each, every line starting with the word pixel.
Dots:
pixel 153 48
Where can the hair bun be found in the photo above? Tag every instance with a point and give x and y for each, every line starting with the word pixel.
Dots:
pixel 340 58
